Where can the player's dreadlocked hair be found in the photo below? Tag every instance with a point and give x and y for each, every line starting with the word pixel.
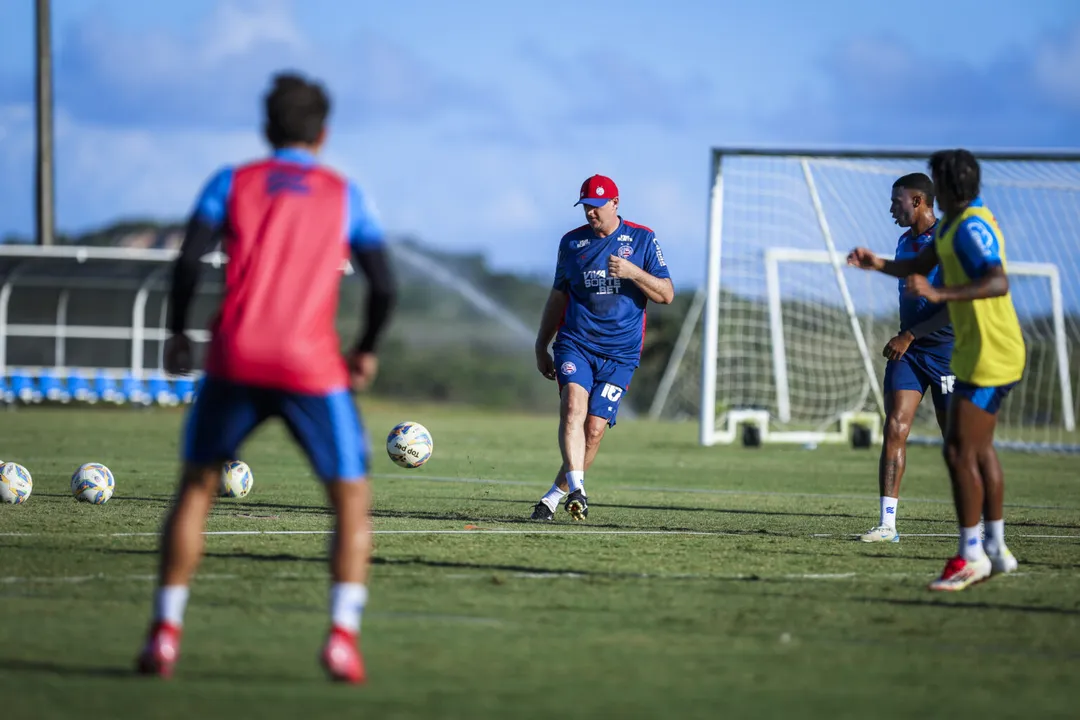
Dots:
pixel 957 173
pixel 296 111
pixel 920 183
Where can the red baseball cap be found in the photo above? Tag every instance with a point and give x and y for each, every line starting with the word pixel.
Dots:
pixel 597 191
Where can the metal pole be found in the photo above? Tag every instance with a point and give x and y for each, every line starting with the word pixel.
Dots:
pixel 45 197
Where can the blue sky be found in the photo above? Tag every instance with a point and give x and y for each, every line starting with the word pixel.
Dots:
pixel 473 123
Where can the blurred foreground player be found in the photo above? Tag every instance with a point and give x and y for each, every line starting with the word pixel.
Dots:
pixel 288 225
pixel 607 272
pixel 919 355
pixel 988 357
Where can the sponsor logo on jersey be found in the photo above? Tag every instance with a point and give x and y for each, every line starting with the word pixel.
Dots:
pixel 625 251
pixel 598 279
pixel 659 253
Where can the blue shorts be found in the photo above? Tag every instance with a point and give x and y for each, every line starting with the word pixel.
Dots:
pixel 987 399
pixel 605 379
pixel 918 370
pixel 327 427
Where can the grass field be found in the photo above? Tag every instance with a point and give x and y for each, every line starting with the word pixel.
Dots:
pixel 707 583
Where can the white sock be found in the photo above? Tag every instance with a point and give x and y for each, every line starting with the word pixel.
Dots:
pixel 169 604
pixel 347 602
pixel 888 511
pixel 576 480
pixel 995 536
pixel 552 497
pixel 971 547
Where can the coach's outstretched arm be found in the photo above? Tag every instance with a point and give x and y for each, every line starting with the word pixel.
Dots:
pixel 554 309
pixel 921 264
pixel 200 238
pixel 382 293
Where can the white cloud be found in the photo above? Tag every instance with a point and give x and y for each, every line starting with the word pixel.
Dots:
pixel 1057 69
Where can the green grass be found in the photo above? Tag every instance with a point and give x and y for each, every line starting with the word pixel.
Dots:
pixel 771 610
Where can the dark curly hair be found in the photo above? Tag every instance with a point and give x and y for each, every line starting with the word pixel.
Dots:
pixel 918 182
pixel 957 174
pixel 296 111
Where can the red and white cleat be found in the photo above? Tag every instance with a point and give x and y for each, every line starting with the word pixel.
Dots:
pixel 341 657
pixel 161 652
pixel 960 573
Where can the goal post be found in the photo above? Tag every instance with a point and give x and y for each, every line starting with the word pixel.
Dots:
pixel 785 336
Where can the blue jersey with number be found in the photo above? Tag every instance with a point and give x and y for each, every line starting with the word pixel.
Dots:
pixel 914 310
pixel 606 315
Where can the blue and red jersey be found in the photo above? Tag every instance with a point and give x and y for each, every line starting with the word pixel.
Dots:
pixel 288 225
pixel 606 315
pixel 914 310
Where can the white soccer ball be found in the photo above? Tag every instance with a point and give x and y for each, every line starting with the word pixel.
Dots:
pixel 93 483
pixel 15 483
pixel 236 479
pixel 409 445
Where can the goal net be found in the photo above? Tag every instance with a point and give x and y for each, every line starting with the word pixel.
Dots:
pixel 786 336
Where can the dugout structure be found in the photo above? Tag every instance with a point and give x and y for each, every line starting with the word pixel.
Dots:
pixel 70 315
pixel 786 337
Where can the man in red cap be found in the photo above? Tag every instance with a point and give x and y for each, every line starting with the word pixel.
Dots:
pixel 607 271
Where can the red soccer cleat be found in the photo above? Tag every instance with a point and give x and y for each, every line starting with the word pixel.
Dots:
pixel 161 651
pixel 341 657
pixel 960 574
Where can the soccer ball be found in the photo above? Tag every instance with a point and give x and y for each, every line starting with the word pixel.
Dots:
pixel 236 479
pixel 15 483
pixel 409 445
pixel 93 483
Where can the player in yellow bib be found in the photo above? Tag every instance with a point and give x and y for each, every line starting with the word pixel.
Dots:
pixel 988 356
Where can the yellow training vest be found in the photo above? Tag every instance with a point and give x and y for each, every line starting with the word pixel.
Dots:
pixel 989 348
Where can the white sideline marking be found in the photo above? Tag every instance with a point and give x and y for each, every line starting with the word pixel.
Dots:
pixel 439 532
pixel 947 535
pixel 699 491
pixel 497 531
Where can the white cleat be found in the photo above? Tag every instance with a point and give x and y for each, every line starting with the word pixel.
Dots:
pixel 1003 562
pixel 882 533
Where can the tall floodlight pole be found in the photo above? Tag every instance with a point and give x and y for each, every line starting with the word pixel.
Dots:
pixel 45 196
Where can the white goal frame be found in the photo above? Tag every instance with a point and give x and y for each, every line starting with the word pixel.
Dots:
pixel 775 255
pixel 707 303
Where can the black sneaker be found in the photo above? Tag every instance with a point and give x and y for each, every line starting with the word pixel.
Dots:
pixel 577 505
pixel 542 512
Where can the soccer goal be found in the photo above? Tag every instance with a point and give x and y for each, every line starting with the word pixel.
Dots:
pixel 785 337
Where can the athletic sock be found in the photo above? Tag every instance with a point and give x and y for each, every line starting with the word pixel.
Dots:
pixel 347 604
pixel 995 537
pixel 169 604
pixel 576 480
pixel 971 546
pixel 552 497
pixel 888 511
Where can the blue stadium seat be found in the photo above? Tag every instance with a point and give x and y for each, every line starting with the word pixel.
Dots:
pixel 6 396
pixel 134 390
pixel 105 388
pixel 52 387
pixel 161 391
pixel 24 387
pixel 185 389
pixel 79 389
